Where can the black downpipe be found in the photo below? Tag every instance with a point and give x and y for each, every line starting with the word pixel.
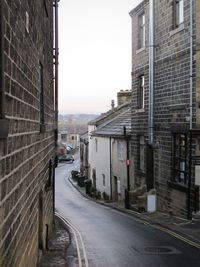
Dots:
pixel 56 53
pixel 189 213
pixel 56 61
pixel 127 191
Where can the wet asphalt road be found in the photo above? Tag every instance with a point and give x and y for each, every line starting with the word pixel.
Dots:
pixel 114 239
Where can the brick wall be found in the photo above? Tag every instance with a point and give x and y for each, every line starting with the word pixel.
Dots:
pixel 26 198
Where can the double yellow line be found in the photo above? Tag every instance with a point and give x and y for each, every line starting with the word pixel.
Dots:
pixel 184 239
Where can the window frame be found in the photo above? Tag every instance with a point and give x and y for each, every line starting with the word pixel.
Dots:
pixel 178 13
pixel 141 162
pixel 179 158
pixel 103 179
pixel 141 30
pixel 41 98
pixel 141 91
pixel 96 144
pixel 120 150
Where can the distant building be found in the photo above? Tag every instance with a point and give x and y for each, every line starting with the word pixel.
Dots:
pixel 73 139
pixel 165 104
pixel 27 130
pixel 84 150
pixel 62 136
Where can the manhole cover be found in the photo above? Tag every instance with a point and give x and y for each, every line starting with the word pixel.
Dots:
pixel 158 250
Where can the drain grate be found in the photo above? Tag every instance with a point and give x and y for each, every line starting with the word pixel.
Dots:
pixel 158 250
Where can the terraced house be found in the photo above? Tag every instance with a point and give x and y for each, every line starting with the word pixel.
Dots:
pixel 165 103
pixel 27 130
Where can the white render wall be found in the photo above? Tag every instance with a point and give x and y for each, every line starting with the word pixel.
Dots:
pixel 100 160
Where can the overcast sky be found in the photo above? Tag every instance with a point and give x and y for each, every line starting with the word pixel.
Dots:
pixel 95 53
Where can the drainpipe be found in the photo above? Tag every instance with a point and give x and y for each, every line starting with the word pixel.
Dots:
pixel 191 60
pixel 56 53
pixel 4 123
pixel 151 71
pixel 189 215
pixel 127 192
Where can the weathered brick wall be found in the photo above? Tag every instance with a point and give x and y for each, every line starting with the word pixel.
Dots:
pixel 171 98
pixel 25 154
pixel 140 67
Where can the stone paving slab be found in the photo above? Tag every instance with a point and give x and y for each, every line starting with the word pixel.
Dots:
pixel 55 256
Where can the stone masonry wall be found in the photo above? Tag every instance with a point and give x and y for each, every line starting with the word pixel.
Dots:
pixel 171 98
pixel 26 198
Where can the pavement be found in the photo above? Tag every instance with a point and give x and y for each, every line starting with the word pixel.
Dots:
pixel 56 255
pixel 186 230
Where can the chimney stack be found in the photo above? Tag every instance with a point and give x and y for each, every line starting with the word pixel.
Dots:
pixel 123 96
pixel 112 104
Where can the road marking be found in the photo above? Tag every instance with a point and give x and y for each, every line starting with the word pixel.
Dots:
pixel 76 233
pixel 184 239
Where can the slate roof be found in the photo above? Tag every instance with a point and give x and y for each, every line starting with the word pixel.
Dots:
pixel 114 127
pixel 109 114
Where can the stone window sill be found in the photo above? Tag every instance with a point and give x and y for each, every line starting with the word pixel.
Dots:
pixel 177 30
pixel 140 172
pixel 140 110
pixel 140 50
pixel 178 186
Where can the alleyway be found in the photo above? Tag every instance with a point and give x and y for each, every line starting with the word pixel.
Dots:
pixel 115 239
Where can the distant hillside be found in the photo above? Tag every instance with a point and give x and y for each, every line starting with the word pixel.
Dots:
pixel 74 123
pixel 84 117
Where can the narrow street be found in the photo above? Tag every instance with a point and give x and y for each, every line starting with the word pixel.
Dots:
pixel 114 239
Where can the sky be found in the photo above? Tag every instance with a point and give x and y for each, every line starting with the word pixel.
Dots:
pixel 94 53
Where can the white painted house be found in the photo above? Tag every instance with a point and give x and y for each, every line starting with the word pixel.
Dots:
pixel 108 152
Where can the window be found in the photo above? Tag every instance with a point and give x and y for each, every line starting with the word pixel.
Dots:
pixel 27 22
pixel 179 159
pixel 104 179
pixel 141 31
pixel 41 88
pixel 50 176
pixel 120 150
pixel 141 92
pixel 141 153
pixel 96 144
pixel 178 12
pixel 45 7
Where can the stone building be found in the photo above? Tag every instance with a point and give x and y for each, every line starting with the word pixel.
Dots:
pixel 27 130
pixel 165 103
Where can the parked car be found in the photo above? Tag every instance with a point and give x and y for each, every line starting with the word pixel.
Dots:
pixel 67 157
